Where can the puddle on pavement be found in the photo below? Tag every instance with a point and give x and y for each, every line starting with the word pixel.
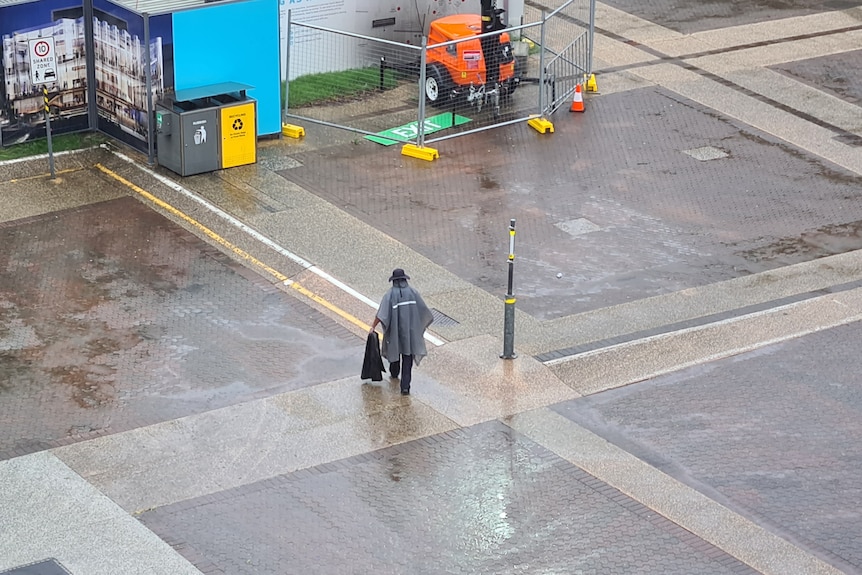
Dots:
pixel 112 316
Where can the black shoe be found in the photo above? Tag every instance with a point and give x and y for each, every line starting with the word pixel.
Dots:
pixel 405 392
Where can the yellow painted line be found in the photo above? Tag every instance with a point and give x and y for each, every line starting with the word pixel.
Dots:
pixel 16 180
pixel 236 250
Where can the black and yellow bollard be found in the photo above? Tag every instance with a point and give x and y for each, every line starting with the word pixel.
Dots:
pixel 509 317
pixel 48 130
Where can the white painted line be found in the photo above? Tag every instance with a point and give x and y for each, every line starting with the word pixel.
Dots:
pixel 39 157
pixel 751 347
pixel 692 329
pixel 259 237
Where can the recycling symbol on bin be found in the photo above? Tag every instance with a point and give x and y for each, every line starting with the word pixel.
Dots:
pixel 237 124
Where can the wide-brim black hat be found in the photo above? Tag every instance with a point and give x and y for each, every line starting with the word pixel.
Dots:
pixel 398 274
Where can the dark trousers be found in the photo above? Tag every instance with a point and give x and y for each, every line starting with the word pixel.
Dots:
pixel 405 368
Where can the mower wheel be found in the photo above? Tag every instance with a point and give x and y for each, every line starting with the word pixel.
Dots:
pixel 437 89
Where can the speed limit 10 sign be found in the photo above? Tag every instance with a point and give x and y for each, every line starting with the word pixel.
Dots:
pixel 43 62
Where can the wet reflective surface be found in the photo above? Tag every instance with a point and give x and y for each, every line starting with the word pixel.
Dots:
pixel 837 74
pixel 112 317
pixel 475 500
pixel 690 17
pixel 776 434
pixel 619 218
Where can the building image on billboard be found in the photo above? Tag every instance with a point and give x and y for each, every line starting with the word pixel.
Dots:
pixel 22 113
pixel 121 59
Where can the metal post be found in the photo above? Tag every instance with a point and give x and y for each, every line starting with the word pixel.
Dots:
pixel 48 130
pixel 90 60
pixel 151 112
pixel 542 78
pixel 287 68
pixel 509 317
pixel 592 35
pixel 453 102
pixel 420 128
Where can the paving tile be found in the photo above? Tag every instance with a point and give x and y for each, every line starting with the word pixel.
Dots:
pixel 481 500
pixel 112 317
pixel 773 433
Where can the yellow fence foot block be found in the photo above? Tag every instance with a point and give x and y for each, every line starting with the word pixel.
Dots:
pixel 592 86
pixel 292 131
pixel 541 125
pixel 414 151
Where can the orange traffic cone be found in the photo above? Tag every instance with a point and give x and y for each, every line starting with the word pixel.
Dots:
pixel 577 100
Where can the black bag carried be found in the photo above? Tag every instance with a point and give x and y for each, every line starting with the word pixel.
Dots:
pixel 372 365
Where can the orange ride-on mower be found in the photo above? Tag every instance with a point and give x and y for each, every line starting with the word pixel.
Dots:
pixel 480 70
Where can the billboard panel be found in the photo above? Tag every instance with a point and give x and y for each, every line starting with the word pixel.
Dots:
pixel 235 42
pixel 22 116
pixel 121 60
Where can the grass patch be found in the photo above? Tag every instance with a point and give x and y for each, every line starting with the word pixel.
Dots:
pixel 329 87
pixel 59 143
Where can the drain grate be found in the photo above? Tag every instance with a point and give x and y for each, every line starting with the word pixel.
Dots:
pixel 47 567
pixel 440 319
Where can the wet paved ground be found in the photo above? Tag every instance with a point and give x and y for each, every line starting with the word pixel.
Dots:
pixel 709 200
pixel 114 317
pixel 693 17
pixel 494 500
pixel 776 434
pixel 837 74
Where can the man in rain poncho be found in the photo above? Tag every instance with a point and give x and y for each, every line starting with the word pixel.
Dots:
pixel 404 317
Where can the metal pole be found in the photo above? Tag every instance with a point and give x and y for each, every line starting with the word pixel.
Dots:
pixel 542 78
pixel 420 128
pixel 287 67
pixel 148 76
pixel 48 130
pixel 592 34
pixel 90 60
pixel 509 316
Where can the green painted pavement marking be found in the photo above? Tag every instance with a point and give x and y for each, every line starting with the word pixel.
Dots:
pixel 409 131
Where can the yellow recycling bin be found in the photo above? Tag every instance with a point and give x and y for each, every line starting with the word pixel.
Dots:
pixel 238 135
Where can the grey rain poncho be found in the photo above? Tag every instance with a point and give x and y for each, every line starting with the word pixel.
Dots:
pixel 405 317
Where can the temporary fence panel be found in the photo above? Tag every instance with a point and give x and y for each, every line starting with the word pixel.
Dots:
pixel 566 44
pixel 480 81
pixel 366 85
pixel 564 70
pixel 457 82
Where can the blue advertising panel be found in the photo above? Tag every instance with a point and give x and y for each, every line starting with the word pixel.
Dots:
pixel 121 59
pixel 235 42
pixel 22 108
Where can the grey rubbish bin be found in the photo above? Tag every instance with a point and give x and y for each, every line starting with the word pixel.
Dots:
pixel 188 127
